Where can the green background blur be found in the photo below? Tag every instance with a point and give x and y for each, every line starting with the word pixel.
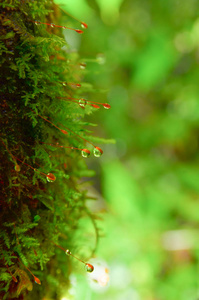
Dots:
pixel 144 61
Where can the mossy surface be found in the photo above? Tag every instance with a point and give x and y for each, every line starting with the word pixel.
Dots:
pixel 36 211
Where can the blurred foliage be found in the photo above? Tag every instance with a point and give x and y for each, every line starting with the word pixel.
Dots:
pixel 150 177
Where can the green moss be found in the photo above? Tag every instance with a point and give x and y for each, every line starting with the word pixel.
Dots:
pixel 36 213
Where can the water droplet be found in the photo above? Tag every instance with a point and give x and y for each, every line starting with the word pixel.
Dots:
pixel 106 105
pixel 68 252
pixel 52 25
pixel 82 66
pixel 82 102
pixel 101 59
pixel 37 280
pixel 37 23
pixel 84 25
pixel 97 152
pixel 17 168
pixel 50 177
pixel 89 268
pixel 64 83
pixel 85 153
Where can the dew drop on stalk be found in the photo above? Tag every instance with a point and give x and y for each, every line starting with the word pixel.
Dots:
pixel 100 59
pixel 97 152
pixel 64 83
pixel 84 25
pixel 89 268
pixel 52 25
pixel 37 23
pixel 106 105
pixel 82 66
pixel 68 252
pixel 37 280
pixel 50 177
pixel 82 102
pixel 85 153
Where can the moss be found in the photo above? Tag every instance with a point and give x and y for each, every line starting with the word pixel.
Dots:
pixel 36 211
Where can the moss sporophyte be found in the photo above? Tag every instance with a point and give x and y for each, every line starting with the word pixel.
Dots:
pixel 43 143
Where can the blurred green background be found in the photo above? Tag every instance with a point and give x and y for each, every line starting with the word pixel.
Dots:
pixel 143 58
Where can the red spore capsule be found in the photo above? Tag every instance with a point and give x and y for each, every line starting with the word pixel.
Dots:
pixel 37 280
pixel 64 131
pixel 94 105
pixel 79 31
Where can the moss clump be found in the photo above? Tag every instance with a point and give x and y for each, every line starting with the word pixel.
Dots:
pixel 37 211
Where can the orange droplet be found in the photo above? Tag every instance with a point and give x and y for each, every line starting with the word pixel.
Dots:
pixel 79 31
pixel 89 268
pixel 64 131
pixel 84 25
pixel 85 153
pixel 50 177
pixel 94 105
pixel 106 105
pixel 37 280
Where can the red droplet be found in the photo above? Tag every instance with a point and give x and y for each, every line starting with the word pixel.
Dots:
pixel 100 150
pixel 84 25
pixel 37 280
pixel 51 177
pixel 89 268
pixel 79 31
pixel 78 85
pixel 94 105
pixel 106 105
pixel 85 152
pixel 64 131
